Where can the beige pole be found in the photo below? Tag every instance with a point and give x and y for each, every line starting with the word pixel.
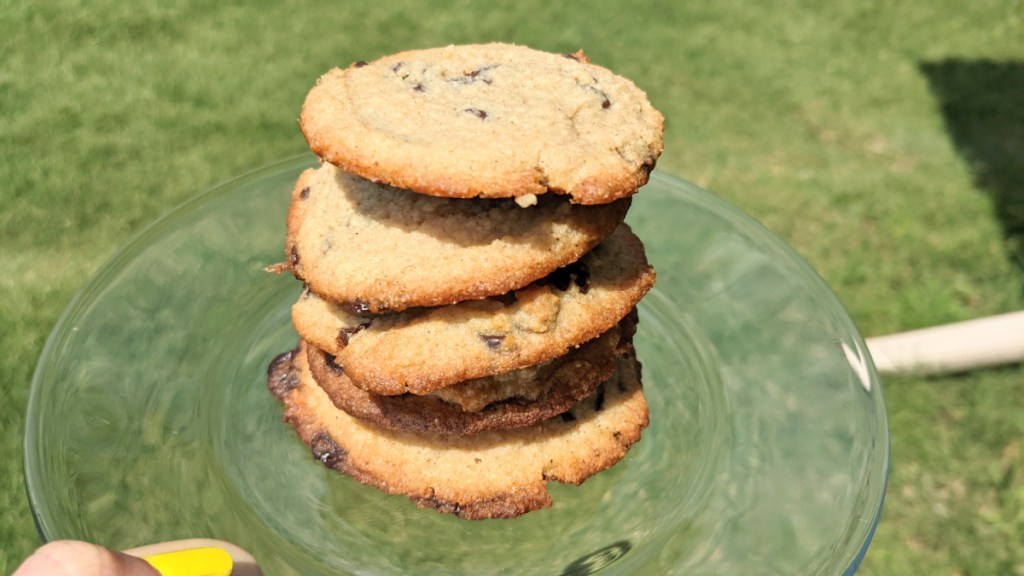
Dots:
pixel 951 348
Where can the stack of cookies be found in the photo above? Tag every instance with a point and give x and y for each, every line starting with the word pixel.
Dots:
pixel 470 287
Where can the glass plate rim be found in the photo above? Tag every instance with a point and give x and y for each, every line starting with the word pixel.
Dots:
pixel 212 193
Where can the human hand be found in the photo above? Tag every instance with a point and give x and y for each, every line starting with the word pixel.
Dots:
pixel 74 558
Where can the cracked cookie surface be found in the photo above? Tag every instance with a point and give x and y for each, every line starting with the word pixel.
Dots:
pixel 377 248
pixel 492 120
pixel 423 349
pixel 498 474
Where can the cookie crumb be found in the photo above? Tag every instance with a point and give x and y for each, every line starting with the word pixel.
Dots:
pixel 526 200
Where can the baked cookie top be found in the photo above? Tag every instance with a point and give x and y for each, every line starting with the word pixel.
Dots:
pixel 511 400
pixel 498 474
pixel 377 248
pixel 492 120
pixel 423 349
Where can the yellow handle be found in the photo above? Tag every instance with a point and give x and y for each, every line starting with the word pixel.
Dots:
pixel 193 562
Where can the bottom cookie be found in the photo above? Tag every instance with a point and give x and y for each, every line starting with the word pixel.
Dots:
pixel 498 474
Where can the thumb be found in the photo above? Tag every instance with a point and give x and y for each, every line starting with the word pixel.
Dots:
pixel 73 558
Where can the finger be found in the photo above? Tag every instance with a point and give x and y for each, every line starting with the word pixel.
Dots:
pixel 244 563
pixel 72 558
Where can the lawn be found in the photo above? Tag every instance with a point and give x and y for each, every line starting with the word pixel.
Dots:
pixel 883 140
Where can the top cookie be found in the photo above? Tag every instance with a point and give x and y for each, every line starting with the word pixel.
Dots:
pixel 491 121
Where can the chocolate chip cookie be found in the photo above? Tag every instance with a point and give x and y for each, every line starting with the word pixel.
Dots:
pixel 500 474
pixel 488 121
pixel 375 248
pixel 423 349
pixel 470 295
pixel 511 400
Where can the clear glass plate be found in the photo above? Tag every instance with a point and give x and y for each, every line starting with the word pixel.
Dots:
pixel 767 451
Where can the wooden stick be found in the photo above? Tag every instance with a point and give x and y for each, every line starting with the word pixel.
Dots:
pixel 951 348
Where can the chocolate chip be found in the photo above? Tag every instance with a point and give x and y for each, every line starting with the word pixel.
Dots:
pixel 606 104
pixel 493 342
pixel 479 75
pixel 419 87
pixel 361 307
pixel 575 273
pixel 327 451
pixel 359 64
pixel 281 375
pixel 304 193
pixel 345 334
pixel 329 359
pixel 560 279
pixel 280 360
pixel 477 112
pixel 358 306
pixel 583 279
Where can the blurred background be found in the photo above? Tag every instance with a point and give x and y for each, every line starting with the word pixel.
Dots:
pixel 883 140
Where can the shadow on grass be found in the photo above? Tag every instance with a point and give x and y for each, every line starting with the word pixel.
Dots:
pixel 983 104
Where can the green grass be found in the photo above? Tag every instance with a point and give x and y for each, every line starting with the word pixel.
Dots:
pixel 956 496
pixel 881 139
